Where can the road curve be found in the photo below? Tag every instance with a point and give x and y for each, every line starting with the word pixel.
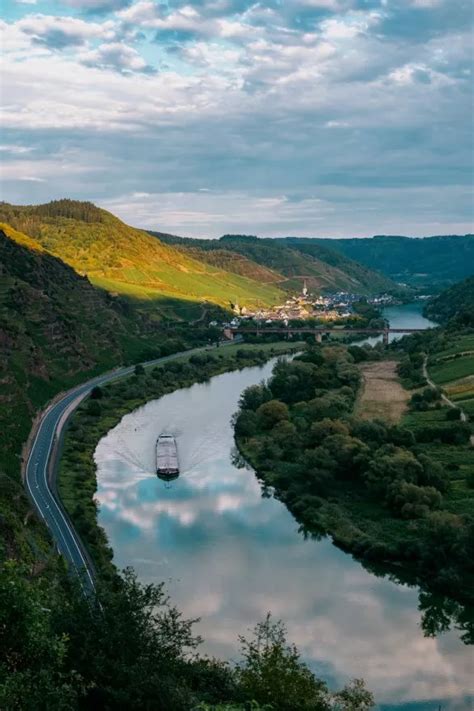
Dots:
pixel 39 463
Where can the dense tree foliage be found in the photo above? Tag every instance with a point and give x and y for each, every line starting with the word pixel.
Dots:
pixel 130 648
pixel 457 303
pixel 445 259
pixel 336 472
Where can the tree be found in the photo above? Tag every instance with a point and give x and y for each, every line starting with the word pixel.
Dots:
pixel 272 412
pixel 246 424
pixel 350 454
pixel 33 671
pixel 296 381
pixel 284 434
pixel 139 370
pixel 254 396
pixel 97 393
pixel 433 474
pixel 353 697
pixel 135 650
pixel 389 464
pixel 331 405
pixel 412 501
pixel 325 428
pixel 272 672
pixel 93 408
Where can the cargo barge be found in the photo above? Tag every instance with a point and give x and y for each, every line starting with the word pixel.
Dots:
pixel 167 465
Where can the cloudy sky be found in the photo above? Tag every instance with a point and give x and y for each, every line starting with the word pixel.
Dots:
pixel 279 117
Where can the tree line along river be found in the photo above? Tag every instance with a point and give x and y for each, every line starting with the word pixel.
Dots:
pixel 229 555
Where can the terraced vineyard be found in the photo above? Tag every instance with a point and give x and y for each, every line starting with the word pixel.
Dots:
pixel 453 369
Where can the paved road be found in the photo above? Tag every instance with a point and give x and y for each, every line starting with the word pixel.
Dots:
pixel 38 465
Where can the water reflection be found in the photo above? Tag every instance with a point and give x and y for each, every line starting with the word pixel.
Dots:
pixel 229 556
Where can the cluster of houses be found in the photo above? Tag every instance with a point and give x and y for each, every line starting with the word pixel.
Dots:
pixel 330 307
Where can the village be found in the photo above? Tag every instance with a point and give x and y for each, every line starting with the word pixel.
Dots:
pixel 332 307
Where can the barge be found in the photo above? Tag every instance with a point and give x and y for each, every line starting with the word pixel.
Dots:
pixel 167 465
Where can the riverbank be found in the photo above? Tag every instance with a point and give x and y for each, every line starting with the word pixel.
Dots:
pixel 105 408
pixel 377 489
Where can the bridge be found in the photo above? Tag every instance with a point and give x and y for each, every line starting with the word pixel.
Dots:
pixel 318 333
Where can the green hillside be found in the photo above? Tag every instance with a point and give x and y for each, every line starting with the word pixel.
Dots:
pixel 55 328
pixel 425 262
pixel 370 279
pixel 456 302
pixel 322 268
pixel 128 261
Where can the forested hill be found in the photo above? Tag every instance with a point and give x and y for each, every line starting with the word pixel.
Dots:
pixel 55 328
pixel 427 262
pixel 457 302
pixel 322 268
pixel 129 261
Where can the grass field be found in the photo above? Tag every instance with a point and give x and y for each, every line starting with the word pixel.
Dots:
pixel 443 373
pixel 382 395
pixel 460 344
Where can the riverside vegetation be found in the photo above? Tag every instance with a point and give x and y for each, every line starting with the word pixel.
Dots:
pixel 400 497
pixel 58 329
pixel 131 648
pixel 106 407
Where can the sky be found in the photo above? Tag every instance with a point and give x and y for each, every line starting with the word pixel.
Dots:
pixel 326 118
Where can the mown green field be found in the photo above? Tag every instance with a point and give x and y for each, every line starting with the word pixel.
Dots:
pixel 443 373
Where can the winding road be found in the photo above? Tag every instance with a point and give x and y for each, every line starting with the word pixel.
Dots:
pixel 39 473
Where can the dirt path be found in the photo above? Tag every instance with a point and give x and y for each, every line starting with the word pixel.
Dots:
pixel 382 395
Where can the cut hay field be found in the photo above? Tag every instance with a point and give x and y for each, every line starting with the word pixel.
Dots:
pixel 382 395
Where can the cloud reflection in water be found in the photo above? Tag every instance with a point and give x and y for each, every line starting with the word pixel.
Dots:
pixel 229 556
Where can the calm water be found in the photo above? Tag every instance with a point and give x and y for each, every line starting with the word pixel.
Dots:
pixel 404 316
pixel 229 556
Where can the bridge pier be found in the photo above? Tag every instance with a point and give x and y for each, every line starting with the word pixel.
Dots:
pixel 319 338
pixel 385 337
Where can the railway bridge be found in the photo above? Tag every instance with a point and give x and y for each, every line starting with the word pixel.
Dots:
pixel 318 333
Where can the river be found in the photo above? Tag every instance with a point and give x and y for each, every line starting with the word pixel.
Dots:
pixel 228 555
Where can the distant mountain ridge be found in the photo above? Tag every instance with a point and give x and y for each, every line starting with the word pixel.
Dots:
pixel 417 261
pixel 322 268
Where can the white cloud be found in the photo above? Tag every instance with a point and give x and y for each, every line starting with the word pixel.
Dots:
pixel 61 32
pixel 286 100
pixel 15 149
pixel 116 56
